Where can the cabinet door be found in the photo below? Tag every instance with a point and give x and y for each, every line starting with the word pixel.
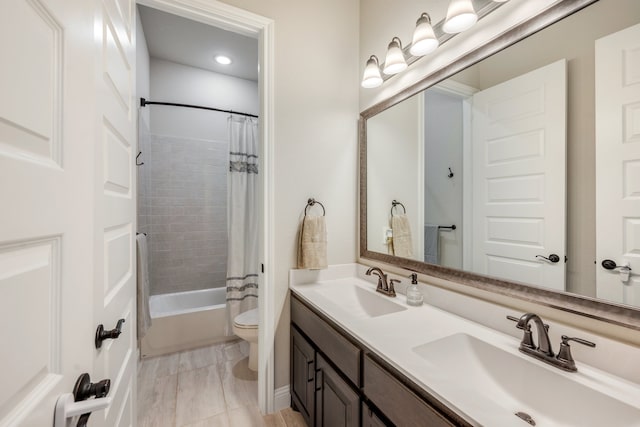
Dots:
pixel 337 404
pixel 302 376
pixel 370 419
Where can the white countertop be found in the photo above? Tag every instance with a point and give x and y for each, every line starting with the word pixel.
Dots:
pixel 394 336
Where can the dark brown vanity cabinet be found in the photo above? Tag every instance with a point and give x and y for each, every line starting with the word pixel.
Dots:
pixel 321 395
pixel 369 418
pixel 337 404
pixel 335 381
pixel 396 401
pixel 324 397
pixel 303 375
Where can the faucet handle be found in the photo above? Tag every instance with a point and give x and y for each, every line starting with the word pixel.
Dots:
pixel 392 290
pixel 519 325
pixel 564 354
pixel 566 339
pixel 515 319
pixel 527 338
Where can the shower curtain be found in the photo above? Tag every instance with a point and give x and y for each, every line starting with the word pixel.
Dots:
pixel 242 218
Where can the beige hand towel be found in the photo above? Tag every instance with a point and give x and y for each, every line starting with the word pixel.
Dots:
pixel 312 248
pixel 402 245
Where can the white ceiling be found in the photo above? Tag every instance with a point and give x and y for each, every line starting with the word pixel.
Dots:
pixel 192 43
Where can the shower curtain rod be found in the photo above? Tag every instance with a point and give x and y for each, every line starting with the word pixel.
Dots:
pixel 144 103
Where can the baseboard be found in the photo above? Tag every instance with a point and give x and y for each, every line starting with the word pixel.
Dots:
pixel 282 398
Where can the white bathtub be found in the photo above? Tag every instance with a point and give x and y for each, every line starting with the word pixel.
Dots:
pixel 185 320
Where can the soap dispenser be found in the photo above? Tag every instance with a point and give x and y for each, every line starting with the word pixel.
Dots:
pixel 414 296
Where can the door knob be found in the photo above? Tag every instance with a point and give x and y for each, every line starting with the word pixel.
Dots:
pixel 79 403
pixel 553 258
pixel 113 334
pixel 624 270
pixel 85 389
pixel 609 264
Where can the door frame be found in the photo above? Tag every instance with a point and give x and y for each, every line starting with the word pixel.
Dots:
pixel 243 22
pixel 465 94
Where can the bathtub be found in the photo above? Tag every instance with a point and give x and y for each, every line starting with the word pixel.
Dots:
pixel 185 320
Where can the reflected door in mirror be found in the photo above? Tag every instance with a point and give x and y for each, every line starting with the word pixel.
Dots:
pixel 519 140
pixel 618 165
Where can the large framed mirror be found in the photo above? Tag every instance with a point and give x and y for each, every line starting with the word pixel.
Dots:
pixel 516 169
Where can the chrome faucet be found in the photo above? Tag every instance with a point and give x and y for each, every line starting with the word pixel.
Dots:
pixel 383 287
pixel 543 350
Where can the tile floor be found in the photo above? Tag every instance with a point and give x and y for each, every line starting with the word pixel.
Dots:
pixel 205 387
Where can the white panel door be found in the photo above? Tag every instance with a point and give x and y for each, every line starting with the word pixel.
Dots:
pixel 618 164
pixel 114 187
pixel 519 155
pixel 46 213
pixel 64 263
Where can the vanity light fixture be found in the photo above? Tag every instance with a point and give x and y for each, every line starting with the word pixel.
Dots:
pixel 424 38
pixel 223 60
pixel 394 62
pixel 460 16
pixel 372 77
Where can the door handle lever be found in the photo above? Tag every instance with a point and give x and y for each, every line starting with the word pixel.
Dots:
pixel 113 334
pixel 553 258
pixel 80 403
pixel 624 270
pixel 609 264
pixel 67 407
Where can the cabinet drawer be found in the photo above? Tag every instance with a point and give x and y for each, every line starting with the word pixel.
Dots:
pixel 342 352
pixel 396 401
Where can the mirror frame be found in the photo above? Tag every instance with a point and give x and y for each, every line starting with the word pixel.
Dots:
pixel 618 314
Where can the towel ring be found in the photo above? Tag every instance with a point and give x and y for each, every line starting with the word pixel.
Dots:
pixel 394 204
pixel 312 202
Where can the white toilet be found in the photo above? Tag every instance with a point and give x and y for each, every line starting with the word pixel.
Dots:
pixel 245 325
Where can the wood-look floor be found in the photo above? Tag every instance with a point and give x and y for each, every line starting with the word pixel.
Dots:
pixel 205 387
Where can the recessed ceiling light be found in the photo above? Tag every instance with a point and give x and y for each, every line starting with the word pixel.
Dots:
pixel 224 60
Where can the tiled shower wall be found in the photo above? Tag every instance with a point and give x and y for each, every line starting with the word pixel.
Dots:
pixel 183 209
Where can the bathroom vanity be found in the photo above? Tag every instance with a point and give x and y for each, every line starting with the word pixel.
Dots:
pixel 335 379
pixel 359 358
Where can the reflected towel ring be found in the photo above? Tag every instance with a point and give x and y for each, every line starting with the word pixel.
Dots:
pixel 394 204
pixel 312 202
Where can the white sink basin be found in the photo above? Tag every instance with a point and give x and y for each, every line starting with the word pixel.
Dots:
pixel 494 385
pixel 357 301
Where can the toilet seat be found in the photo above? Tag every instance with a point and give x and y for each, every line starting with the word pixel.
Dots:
pixel 247 320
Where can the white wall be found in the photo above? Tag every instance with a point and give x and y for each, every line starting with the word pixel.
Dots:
pixel 315 142
pixel 395 134
pixel 443 150
pixel 142 68
pixel 144 141
pixel 172 82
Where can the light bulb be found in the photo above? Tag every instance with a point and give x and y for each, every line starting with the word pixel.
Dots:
pixel 460 17
pixel 223 60
pixel 394 62
pixel 424 39
pixel 372 77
